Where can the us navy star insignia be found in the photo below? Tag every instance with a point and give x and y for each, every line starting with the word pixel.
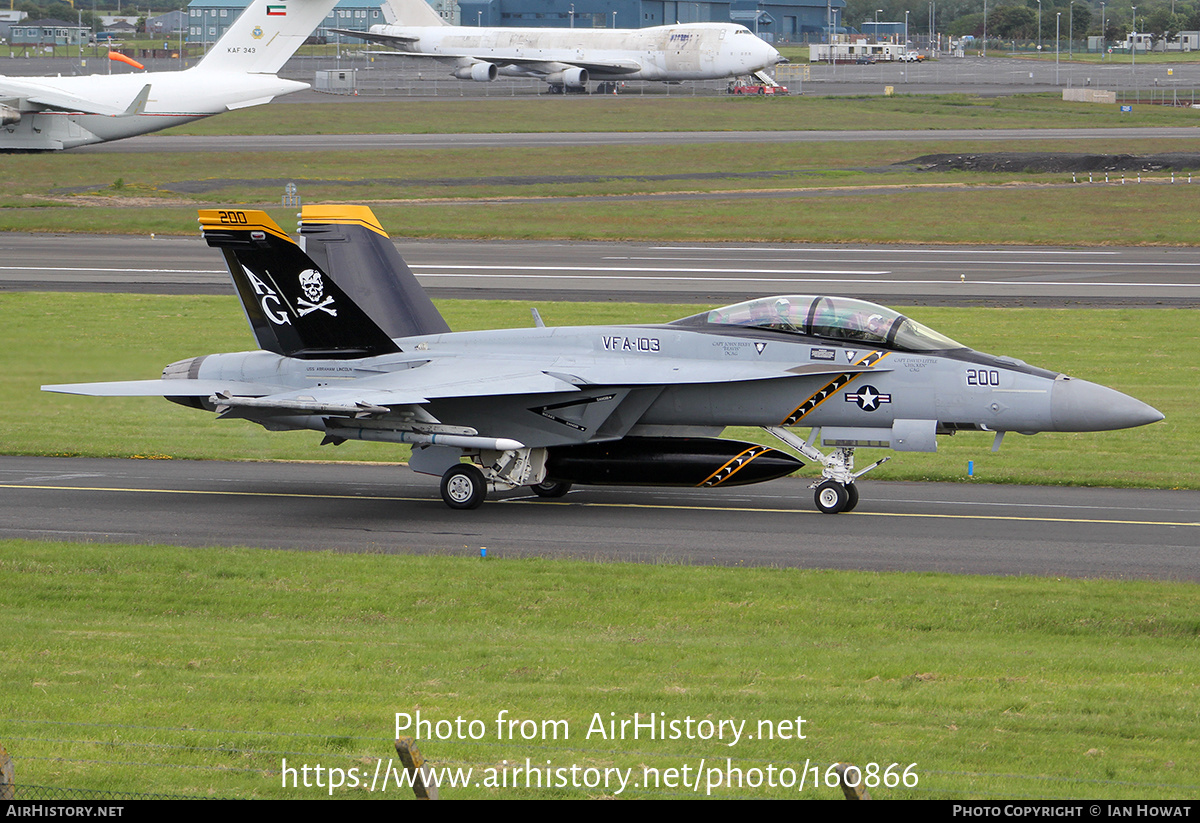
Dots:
pixel 868 398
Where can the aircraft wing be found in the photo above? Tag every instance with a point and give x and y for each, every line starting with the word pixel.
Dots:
pixel 451 377
pixel 161 388
pixel 407 386
pixel 593 66
pixel 455 377
pixel 58 99
pixel 534 64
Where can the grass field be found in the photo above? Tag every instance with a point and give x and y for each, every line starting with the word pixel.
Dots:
pixel 198 672
pixel 820 192
pixel 607 113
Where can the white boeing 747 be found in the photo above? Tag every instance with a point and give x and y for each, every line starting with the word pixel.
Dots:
pixel 50 113
pixel 569 58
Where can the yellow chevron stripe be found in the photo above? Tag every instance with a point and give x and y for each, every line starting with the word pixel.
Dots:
pixel 830 388
pixel 342 215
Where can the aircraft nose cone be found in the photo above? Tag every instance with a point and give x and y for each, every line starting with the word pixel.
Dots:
pixel 1080 406
pixel 767 55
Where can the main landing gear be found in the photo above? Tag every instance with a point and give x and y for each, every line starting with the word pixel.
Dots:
pixel 550 488
pixel 465 485
pixel 836 491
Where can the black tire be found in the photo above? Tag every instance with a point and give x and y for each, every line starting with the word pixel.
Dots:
pixel 463 487
pixel 852 497
pixel 831 497
pixel 551 488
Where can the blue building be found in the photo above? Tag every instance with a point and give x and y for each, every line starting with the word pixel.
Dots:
pixel 48 32
pixel 208 19
pixel 773 20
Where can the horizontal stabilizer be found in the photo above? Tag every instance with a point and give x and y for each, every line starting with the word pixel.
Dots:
pixel 385 39
pixel 245 104
pixel 40 96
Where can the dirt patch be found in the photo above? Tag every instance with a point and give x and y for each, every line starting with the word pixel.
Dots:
pixel 1055 162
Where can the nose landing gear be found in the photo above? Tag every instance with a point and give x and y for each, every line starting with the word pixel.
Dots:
pixel 836 492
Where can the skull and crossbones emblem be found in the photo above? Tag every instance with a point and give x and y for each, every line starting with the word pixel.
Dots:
pixel 314 289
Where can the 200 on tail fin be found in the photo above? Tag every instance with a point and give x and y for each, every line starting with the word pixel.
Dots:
pixel 293 307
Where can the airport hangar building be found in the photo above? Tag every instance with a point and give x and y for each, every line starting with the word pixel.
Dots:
pixel 794 21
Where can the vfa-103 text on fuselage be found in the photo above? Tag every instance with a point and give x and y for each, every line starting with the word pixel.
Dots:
pixel 351 347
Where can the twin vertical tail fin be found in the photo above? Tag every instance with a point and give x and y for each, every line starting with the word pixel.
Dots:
pixel 294 307
pixel 349 244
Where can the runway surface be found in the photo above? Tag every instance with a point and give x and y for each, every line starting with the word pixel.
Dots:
pixel 942 527
pixel 680 273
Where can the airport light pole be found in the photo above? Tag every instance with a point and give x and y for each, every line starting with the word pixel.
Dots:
pixel 1133 45
pixel 1103 29
pixel 573 15
pixel 932 25
pixel 1057 42
pixel 985 28
pixel 829 22
pixel 1071 32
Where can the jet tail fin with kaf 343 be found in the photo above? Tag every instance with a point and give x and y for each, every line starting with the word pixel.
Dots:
pixel 351 347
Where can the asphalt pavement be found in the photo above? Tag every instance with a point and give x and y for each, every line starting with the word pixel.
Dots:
pixel 961 528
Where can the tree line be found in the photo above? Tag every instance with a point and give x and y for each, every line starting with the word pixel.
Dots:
pixel 1018 19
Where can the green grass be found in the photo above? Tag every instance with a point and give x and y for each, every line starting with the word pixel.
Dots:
pixel 820 192
pixel 196 672
pixel 638 114
pixel 71 338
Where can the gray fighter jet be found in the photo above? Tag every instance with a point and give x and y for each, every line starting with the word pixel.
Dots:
pixel 350 346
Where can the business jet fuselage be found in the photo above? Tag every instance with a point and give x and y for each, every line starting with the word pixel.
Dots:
pixel 571 57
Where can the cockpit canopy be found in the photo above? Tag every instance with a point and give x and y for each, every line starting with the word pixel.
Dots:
pixel 833 318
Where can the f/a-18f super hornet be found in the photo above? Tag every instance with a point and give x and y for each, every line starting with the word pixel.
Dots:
pixel 569 58
pixel 53 113
pixel 351 347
